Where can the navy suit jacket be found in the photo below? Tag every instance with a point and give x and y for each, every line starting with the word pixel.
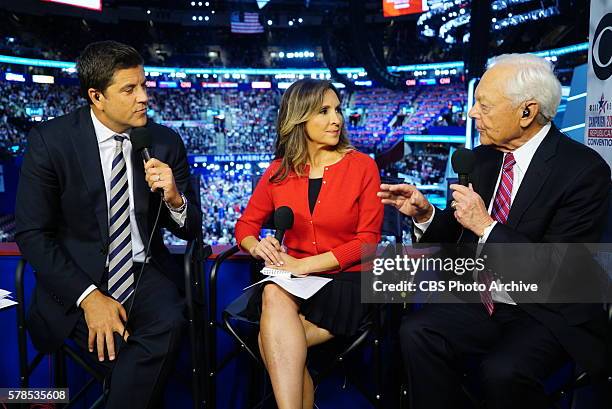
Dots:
pixel 62 217
pixel 563 198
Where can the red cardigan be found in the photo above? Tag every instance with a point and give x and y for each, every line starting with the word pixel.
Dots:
pixel 347 215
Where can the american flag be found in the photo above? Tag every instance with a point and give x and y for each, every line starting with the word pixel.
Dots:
pixel 248 25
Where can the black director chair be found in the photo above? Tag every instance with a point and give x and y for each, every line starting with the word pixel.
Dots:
pixel 370 329
pixel 194 257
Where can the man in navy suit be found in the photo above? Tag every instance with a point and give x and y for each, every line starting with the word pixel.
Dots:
pixel 531 184
pixel 85 214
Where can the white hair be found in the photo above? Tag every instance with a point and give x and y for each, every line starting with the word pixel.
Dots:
pixel 534 79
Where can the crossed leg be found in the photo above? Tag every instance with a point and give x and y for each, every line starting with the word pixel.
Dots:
pixel 284 337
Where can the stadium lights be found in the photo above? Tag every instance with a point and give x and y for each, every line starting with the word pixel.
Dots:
pixel 300 20
pixel 290 22
pixel 148 11
pixel 269 22
pixel 206 18
pixel 194 18
pixel 200 18
pixel 294 54
pixel 70 66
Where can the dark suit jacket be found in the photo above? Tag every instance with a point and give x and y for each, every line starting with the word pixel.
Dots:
pixel 62 217
pixel 563 198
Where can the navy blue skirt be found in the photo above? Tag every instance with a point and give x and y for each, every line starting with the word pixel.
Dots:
pixel 336 307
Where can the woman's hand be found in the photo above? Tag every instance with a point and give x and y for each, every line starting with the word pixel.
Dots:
pixel 296 266
pixel 269 250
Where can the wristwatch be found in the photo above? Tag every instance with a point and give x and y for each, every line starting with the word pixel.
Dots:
pixel 180 208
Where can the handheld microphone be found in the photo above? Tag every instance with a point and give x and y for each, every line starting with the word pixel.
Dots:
pixel 283 221
pixel 141 142
pixel 463 161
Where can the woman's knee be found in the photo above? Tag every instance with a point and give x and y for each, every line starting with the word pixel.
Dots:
pixel 274 298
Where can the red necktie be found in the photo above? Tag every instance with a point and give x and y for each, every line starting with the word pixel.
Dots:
pixel 499 212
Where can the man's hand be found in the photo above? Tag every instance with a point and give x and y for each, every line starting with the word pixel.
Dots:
pixel 103 316
pixel 159 176
pixel 408 200
pixel 470 210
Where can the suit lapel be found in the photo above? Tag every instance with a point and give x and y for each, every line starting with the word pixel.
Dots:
pixel 141 194
pixel 537 174
pixel 486 178
pixel 86 146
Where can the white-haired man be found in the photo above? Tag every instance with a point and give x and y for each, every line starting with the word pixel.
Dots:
pixel 530 184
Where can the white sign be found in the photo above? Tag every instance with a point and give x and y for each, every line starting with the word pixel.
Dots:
pixel 598 118
pixel 86 4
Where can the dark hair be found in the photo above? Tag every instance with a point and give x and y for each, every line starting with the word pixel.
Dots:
pixel 98 62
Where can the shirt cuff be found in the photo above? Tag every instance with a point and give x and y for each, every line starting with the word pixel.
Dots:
pixel 178 217
pixel 88 291
pixel 421 228
pixel 485 234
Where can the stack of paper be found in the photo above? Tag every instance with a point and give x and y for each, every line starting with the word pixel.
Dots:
pixel 6 299
pixel 300 286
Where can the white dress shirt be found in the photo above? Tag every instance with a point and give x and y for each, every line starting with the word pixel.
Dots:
pixel 106 148
pixel 522 156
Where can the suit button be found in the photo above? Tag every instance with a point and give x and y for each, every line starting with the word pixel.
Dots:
pixel 103 251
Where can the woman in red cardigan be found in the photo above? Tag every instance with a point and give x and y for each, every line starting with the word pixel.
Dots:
pixel 331 189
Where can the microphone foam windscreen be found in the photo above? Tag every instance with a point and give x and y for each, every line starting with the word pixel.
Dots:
pixel 283 218
pixel 463 161
pixel 140 139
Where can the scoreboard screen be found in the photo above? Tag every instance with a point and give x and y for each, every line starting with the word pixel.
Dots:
pixel 394 8
pixel 86 4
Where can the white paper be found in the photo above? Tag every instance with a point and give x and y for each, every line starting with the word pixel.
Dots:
pixel 6 302
pixel 302 287
pixel 269 271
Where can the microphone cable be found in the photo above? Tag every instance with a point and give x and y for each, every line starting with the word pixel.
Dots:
pixel 107 378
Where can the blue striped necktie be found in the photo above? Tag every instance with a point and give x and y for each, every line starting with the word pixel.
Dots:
pixel 120 275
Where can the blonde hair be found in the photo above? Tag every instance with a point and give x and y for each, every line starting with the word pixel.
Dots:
pixel 299 103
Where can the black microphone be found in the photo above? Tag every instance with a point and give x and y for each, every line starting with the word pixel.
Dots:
pixel 463 161
pixel 283 221
pixel 141 142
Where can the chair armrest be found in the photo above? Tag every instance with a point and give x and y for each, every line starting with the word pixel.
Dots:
pixel 212 280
